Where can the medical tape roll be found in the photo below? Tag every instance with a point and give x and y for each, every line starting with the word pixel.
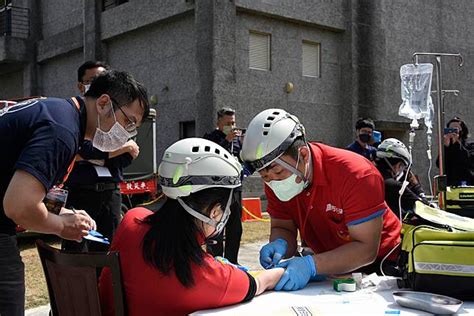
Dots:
pixel 346 285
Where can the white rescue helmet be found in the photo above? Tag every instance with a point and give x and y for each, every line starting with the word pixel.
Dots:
pixel 194 164
pixel 393 148
pixel 268 136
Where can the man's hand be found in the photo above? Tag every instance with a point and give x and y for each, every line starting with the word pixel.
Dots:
pixel 132 148
pixel 412 178
pixel 451 138
pixel 233 134
pixel 76 226
pixel 299 271
pixel 271 253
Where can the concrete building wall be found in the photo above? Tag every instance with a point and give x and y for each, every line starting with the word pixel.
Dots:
pixel 328 14
pixel 11 85
pixel 193 55
pixel 59 15
pixel 58 76
pixel 316 101
pixel 136 14
pixel 162 57
pixel 388 41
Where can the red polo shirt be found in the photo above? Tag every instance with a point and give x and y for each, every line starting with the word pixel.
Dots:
pixel 346 190
pixel 149 292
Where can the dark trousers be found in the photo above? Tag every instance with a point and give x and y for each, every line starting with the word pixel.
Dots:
pixel 12 278
pixel 232 231
pixel 104 207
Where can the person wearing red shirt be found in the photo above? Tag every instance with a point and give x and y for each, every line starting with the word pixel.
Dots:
pixel 164 268
pixel 334 197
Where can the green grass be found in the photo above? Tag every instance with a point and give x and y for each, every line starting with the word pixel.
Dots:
pixel 36 290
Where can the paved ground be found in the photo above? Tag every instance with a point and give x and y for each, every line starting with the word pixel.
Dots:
pixel 248 256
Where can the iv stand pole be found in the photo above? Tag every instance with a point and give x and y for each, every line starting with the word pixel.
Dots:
pixel 439 84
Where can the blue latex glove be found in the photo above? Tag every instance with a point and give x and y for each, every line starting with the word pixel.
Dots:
pixel 271 253
pixel 299 271
pixel 226 261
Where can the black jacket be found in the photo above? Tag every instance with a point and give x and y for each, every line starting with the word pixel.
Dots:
pixel 218 137
pixel 411 194
pixel 459 163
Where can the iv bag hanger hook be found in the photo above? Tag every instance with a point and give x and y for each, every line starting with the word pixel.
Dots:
pixel 415 57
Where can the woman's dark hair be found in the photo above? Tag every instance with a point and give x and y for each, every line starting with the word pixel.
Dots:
pixel 171 243
pixel 463 135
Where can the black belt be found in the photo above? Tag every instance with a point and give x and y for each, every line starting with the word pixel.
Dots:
pixel 99 187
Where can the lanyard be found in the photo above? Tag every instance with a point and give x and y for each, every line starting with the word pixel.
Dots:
pixel 71 165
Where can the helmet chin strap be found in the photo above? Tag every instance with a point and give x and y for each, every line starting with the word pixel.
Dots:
pixel 294 170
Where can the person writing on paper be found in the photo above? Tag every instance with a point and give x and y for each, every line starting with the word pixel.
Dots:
pixel 334 197
pixel 164 267
pixel 93 184
pixel 40 138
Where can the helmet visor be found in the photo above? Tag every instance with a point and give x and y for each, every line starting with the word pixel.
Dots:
pixel 201 180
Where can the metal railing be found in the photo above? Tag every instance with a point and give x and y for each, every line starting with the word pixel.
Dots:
pixel 14 21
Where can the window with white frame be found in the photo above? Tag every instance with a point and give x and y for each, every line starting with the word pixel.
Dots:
pixel 311 59
pixel 259 50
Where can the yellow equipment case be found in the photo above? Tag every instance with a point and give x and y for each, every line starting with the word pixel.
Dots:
pixel 460 200
pixel 437 253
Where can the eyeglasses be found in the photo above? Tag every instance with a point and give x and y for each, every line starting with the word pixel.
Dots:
pixel 131 127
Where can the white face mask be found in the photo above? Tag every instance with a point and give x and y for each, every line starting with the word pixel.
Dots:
pixel 86 88
pixel 112 140
pixel 288 188
pixel 227 129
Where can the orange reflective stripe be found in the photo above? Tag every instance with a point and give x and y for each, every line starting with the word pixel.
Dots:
pixel 71 166
pixel 78 106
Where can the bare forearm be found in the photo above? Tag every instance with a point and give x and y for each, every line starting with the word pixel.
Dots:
pixel 118 152
pixel 345 258
pixel 288 235
pixel 38 219
pixel 267 279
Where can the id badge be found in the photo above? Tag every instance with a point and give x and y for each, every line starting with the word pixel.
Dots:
pixel 55 200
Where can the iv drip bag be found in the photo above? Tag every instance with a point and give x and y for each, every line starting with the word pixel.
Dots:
pixel 415 92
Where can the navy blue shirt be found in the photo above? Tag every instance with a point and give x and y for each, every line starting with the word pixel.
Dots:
pixel 369 152
pixel 41 137
pixel 218 137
